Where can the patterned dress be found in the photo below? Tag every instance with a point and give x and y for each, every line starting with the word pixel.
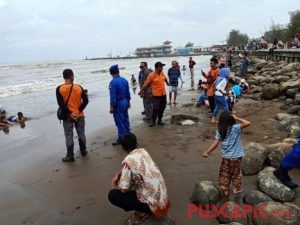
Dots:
pixel 140 173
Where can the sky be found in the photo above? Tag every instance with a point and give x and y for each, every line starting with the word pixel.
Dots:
pixel 33 30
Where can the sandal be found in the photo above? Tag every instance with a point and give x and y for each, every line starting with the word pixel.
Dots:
pixel 136 219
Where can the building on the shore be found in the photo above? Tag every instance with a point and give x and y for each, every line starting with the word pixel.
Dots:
pixel 154 51
pixel 188 50
pixel 218 48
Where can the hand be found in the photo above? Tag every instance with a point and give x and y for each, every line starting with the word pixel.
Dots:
pixel 129 106
pixel 111 110
pixel 74 115
pixel 205 155
pixel 115 180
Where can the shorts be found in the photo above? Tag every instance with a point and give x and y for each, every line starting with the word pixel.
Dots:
pixel 173 89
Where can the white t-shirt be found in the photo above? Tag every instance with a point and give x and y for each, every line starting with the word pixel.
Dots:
pixel 221 86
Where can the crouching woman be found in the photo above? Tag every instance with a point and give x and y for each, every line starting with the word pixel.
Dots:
pixel 139 186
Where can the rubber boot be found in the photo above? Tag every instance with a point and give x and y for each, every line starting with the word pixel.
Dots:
pixel 284 177
pixel 70 155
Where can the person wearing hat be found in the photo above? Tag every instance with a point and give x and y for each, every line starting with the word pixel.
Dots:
pixel 290 161
pixel 119 102
pixel 157 80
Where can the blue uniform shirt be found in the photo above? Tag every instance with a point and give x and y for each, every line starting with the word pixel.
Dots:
pixel 119 90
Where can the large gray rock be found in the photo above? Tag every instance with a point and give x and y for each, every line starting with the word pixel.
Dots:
pixel 283 146
pixel 256 197
pixel 272 187
pixel 254 158
pixel 253 82
pixel 289 68
pixel 270 92
pixel 275 157
pixel 294 210
pixel 232 212
pixel 294 109
pixel 297 99
pixel 255 89
pixel 288 122
pixel 289 85
pixel 280 79
pixel 290 93
pixel 282 116
pixel 267 80
pixel 275 213
pixel 166 220
pixel 260 65
pixel 206 192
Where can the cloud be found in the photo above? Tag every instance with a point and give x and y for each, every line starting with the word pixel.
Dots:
pixel 71 29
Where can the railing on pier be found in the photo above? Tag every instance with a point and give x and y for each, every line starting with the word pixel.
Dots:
pixel 289 55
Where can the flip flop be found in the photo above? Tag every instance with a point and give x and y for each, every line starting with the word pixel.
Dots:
pixel 136 220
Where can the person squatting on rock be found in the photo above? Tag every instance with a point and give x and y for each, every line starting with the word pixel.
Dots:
pixel 229 134
pixel 290 161
pixel 220 93
pixel 157 80
pixel 147 94
pixel 119 102
pixel 139 186
pixel 211 77
pixel 77 100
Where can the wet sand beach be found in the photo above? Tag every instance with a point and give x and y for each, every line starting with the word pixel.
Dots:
pixel 37 188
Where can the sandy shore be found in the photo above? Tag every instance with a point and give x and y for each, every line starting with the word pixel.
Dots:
pixel 37 188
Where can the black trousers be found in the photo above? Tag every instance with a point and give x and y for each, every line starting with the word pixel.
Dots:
pixel 127 201
pixel 159 106
pixel 211 100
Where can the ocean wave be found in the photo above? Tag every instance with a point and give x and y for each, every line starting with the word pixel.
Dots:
pixel 36 86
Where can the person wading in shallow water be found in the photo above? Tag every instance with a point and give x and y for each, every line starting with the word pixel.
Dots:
pixel 119 102
pixel 139 186
pixel 77 101
pixel 157 80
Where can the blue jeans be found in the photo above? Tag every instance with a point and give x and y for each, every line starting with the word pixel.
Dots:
pixel 121 118
pixel 292 159
pixel 220 101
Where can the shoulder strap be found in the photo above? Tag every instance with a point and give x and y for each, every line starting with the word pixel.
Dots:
pixel 66 103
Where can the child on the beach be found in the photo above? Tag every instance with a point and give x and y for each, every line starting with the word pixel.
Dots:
pixel 229 133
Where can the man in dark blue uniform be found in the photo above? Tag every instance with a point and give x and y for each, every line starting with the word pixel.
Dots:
pixel 119 102
pixel 290 161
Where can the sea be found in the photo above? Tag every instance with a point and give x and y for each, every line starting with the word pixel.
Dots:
pixel 30 87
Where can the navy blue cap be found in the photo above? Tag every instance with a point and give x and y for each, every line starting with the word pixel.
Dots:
pixel 114 68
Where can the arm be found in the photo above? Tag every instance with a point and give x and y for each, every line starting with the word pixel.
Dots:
pixel 61 102
pixel 244 123
pixel 146 84
pixel 113 96
pixel 85 100
pixel 211 148
pixel 128 97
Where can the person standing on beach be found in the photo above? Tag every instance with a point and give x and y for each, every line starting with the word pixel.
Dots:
pixel 229 134
pixel 157 80
pixel 77 101
pixel 139 186
pixel 119 102
pixel 146 95
pixel 211 77
pixel 174 75
pixel 192 63
pixel 220 93
pixel 244 65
